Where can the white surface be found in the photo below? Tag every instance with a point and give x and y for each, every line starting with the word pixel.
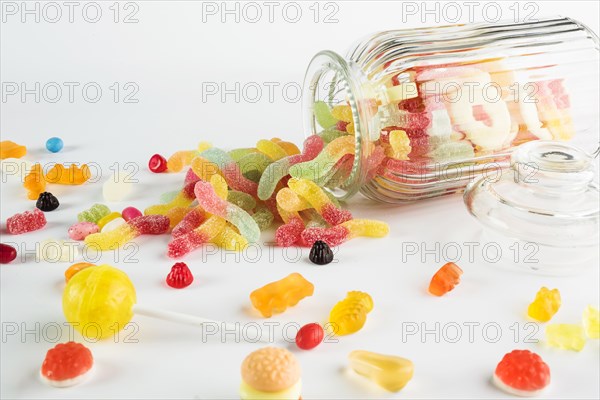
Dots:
pixel 168 54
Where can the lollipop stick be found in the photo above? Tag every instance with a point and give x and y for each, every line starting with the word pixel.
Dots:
pixel 198 321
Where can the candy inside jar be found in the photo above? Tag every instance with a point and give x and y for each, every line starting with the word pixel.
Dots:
pixel 411 114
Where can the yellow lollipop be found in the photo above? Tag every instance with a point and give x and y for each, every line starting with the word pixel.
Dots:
pixel 99 301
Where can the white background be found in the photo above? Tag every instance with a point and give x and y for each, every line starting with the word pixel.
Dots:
pixel 170 54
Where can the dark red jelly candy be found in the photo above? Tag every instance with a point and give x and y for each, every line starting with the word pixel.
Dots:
pixel 180 276
pixel 157 163
pixel 309 336
pixel 7 253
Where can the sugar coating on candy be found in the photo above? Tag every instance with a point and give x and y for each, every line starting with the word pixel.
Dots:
pixel 349 315
pixel 288 234
pixel 180 276
pixel 565 336
pixel 66 364
pixel 312 193
pixel 313 145
pixel 445 279
pixel 546 304
pixel 129 213
pixel 277 296
pixel 271 149
pixel 400 145
pixel 208 230
pixel 175 215
pixel 94 213
pixel 9 149
pixel 591 322
pixel 309 336
pixel 150 224
pixel 333 236
pixel 54 144
pixel 190 221
pixel 180 159
pixel 322 164
pixel 323 115
pixel 231 171
pixel 522 373
pixel 290 201
pixel 157 164
pixel 7 253
pixel 230 240
pixel 242 200
pixel 334 215
pixel 24 222
pixel 80 230
pixel 329 135
pixel 263 218
pixel 289 147
pixel 47 202
pixel 207 198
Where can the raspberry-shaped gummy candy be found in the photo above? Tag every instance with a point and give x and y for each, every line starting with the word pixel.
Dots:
pixel 522 373
pixel 180 276
pixel 47 202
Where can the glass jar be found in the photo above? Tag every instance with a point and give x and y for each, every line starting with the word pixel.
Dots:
pixel 425 110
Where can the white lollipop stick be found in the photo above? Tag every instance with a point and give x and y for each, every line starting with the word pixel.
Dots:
pixel 199 321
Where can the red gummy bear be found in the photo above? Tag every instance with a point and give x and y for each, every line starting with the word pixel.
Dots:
pixel 26 222
pixel 445 279
pixel 66 363
pixel 522 372
pixel 180 276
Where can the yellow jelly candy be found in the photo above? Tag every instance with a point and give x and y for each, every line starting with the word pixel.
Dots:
pixel 546 304
pixel 400 145
pixel 390 372
pixel 10 149
pixel 591 322
pixel 342 113
pixel 34 182
pixel 98 301
pixel 277 296
pixel 349 315
pixel 565 336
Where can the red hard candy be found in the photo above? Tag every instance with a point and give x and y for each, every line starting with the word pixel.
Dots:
pixel 7 253
pixel 309 336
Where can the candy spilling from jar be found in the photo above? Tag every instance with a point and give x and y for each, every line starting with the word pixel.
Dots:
pixel 435 116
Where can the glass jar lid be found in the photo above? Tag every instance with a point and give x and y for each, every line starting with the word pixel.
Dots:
pixel 548 197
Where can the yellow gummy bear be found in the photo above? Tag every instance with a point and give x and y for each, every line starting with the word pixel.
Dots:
pixel 390 372
pixel 277 296
pixel 99 301
pixel 565 336
pixel 349 315
pixel 545 305
pixel 591 322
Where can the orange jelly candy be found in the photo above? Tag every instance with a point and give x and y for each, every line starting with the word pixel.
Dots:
pixel 73 175
pixel 10 149
pixel 277 296
pixel 445 279
pixel 34 182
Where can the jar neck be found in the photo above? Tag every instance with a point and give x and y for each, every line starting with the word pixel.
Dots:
pixel 334 80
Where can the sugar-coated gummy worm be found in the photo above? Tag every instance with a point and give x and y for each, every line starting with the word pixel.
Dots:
pixel 204 169
pixel 237 154
pixel 175 215
pixel 183 199
pixel 323 115
pixel 254 162
pixel 313 145
pixel 288 200
pixel 231 171
pixel 263 218
pixel 325 161
pixel 271 149
pixel 242 200
pixel 208 199
pixel 94 214
pixel 143 225
pixel 339 234
pixel 193 219
pixel 207 231
pixel 230 240
pixel 319 200
pixel 289 147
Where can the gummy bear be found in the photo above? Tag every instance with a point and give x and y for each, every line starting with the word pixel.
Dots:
pixel 445 279
pixel 565 336
pixel 390 372
pixel 277 296
pixel 349 315
pixel 546 304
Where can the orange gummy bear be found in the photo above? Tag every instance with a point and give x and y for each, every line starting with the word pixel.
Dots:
pixel 10 149
pixel 277 296
pixel 34 182
pixel 445 279
pixel 73 175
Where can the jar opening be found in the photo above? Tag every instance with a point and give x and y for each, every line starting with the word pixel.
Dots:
pixel 333 81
